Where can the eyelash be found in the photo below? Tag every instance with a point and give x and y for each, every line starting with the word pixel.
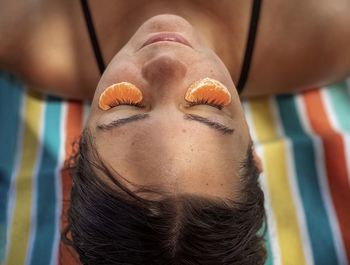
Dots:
pixel 130 103
pixel 212 103
pixel 189 104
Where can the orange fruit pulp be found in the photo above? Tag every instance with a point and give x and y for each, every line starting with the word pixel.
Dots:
pixel 208 88
pixel 123 91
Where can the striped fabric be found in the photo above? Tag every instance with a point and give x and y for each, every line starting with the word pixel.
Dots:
pixel 304 141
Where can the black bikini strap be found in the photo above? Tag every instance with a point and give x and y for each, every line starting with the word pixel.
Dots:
pixel 93 37
pixel 247 56
pixel 254 20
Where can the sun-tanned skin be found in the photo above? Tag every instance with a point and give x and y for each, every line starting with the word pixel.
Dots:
pixel 166 147
pixel 300 44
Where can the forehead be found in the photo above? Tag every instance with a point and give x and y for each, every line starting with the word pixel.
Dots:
pixel 187 156
pixel 160 134
pixel 167 129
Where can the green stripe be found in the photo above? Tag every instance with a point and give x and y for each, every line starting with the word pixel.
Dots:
pixel 269 260
pixel 10 106
pixel 340 100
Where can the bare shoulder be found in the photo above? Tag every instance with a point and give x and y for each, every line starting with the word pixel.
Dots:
pixel 43 43
pixel 300 46
pixel 9 26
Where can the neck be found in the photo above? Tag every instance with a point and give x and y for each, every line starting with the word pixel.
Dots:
pixel 223 25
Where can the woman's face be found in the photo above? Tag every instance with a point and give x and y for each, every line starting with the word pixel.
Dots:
pixel 164 147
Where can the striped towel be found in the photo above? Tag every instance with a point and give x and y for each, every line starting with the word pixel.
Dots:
pixel 304 141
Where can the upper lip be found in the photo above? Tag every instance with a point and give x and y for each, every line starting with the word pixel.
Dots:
pixel 166 36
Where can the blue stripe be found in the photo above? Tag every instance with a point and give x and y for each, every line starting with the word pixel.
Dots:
pixel 46 197
pixel 340 100
pixel 269 260
pixel 11 91
pixel 318 223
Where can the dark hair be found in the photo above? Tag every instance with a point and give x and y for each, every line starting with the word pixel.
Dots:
pixel 110 224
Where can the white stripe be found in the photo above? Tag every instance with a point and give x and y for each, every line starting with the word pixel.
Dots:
pixel 324 185
pixel 294 188
pixel 271 221
pixel 35 175
pixel 58 185
pixel 332 116
pixel 86 112
pixel 16 168
pixel 275 115
pixel 249 120
pixel 303 115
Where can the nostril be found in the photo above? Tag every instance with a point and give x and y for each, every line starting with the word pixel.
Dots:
pixel 163 68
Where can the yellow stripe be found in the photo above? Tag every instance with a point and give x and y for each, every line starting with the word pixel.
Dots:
pixel 20 227
pixel 276 173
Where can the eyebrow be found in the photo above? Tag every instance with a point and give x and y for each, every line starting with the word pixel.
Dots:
pixel 212 124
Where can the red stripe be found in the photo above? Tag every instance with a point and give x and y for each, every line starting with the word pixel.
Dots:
pixel 67 256
pixel 334 149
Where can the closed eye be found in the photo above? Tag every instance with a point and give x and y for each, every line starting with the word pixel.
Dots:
pixel 211 124
pixel 212 103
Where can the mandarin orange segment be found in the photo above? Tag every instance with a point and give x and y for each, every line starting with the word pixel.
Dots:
pixel 209 89
pixel 123 91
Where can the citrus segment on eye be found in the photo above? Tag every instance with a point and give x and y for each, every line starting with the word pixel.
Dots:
pixel 115 93
pixel 208 89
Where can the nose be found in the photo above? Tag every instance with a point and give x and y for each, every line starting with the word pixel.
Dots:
pixel 164 69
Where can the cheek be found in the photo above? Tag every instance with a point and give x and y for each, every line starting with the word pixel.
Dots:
pixel 121 68
pixel 209 66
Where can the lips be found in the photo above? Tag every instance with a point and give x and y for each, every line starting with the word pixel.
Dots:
pixel 166 36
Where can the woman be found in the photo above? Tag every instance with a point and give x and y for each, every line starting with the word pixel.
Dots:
pixel 178 182
pixel 192 166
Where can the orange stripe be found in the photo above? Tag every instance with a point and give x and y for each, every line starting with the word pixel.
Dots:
pixel 67 255
pixel 334 148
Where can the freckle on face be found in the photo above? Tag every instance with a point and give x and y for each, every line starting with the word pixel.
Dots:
pixel 183 130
